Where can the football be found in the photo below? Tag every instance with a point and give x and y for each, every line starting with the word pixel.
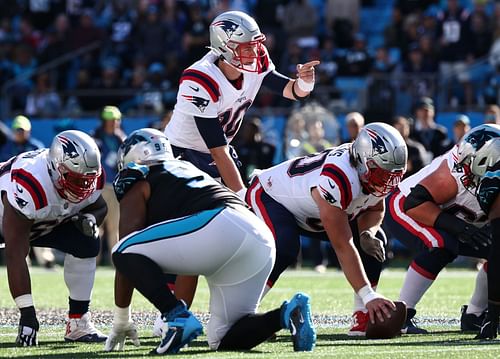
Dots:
pixel 390 327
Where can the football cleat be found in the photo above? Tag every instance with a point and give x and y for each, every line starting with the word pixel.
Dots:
pixel 296 316
pixel 359 323
pixel 410 326
pixel 83 330
pixel 470 322
pixel 179 328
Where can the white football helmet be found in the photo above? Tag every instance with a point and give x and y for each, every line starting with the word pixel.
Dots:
pixel 477 151
pixel 236 37
pixel 379 154
pixel 144 146
pixel 74 163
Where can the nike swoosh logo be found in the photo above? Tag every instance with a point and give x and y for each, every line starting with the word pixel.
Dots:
pixel 331 185
pixel 167 344
pixel 19 189
pixel 484 326
pixel 293 330
pixel 196 89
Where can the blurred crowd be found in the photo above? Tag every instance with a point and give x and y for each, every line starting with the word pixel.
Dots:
pixel 135 50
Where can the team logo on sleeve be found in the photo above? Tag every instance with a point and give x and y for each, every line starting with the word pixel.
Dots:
pixel 227 26
pixel 20 202
pixel 377 142
pixel 199 102
pixel 327 196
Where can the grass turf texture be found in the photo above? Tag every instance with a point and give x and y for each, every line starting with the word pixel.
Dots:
pixel 331 305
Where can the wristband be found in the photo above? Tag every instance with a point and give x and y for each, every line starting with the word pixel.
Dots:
pixel 367 294
pixel 121 316
pixel 24 301
pixel 305 86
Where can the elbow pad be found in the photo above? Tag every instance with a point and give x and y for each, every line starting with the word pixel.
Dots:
pixel 418 195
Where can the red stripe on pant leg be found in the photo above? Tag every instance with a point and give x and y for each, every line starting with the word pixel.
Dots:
pixel 485 267
pixel 263 210
pixel 422 271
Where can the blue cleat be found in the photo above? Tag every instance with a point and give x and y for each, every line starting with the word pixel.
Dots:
pixel 179 328
pixel 296 316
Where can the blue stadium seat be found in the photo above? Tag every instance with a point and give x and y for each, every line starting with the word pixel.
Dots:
pixel 350 88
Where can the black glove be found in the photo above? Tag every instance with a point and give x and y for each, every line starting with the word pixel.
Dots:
pixel 28 328
pixel 127 178
pixel 86 223
pixel 489 327
pixel 372 245
pixel 465 232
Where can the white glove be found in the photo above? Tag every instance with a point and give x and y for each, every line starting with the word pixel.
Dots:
pixel 118 336
pixel 123 328
pixel 372 246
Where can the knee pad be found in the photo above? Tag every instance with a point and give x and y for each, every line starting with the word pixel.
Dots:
pixel 435 259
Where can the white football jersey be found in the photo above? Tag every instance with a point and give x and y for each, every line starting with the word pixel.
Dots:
pixel 465 204
pixel 29 188
pixel 290 183
pixel 204 91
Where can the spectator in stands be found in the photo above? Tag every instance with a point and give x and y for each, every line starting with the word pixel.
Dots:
pixel 44 100
pixel 21 141
pixel 253 151
pixel 316 141
pixel 356 61
pixel 108 137
pixel 195 36
pixel 418 157
pixel 455 40
pixel 342 20
pixel 393 33
pixel 300 23
pixel 24 63
pixel 460 127
pixel 434 137
pixel 354 122
pixel 121 28
pixel 492 114
pixel 153 36
pixel 295 134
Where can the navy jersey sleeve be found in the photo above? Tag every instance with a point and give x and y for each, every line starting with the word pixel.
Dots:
pixel 211 131
pixel 275 82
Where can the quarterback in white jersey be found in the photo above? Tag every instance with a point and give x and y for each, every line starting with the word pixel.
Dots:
pixel 438 213
pixel 52 198
pixel 338 192
pixel 215 92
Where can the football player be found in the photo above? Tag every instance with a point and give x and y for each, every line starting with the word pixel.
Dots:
pixel 52 198
pixel 215 92
pixel 336 194
pixel 437 212
pixel 170 213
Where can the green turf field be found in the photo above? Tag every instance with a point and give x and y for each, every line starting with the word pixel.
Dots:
pixel 331 304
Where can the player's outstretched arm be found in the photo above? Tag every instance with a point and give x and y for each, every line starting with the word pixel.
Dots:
pixel 304 84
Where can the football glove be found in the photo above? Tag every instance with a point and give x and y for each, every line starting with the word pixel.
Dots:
pixel 118 335
pixel 372 245
pixel 464 232
pixel 86 223
pixel 26 336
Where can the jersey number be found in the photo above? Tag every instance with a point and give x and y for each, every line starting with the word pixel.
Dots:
pixel 303 165
pixel 230 121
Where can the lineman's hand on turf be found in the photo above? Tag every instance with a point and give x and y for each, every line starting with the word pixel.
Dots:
pixel 380 308
pixel 118 335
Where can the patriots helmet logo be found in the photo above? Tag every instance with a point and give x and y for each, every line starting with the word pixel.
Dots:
pixel 69 147
pixel 378 144
pixel 227 26
pixel 199 102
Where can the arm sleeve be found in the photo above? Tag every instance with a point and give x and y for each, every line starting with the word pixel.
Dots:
pixel 211 131
pixel 275 82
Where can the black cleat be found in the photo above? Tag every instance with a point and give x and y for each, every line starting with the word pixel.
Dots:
pixel 410 326
pixel 470 322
